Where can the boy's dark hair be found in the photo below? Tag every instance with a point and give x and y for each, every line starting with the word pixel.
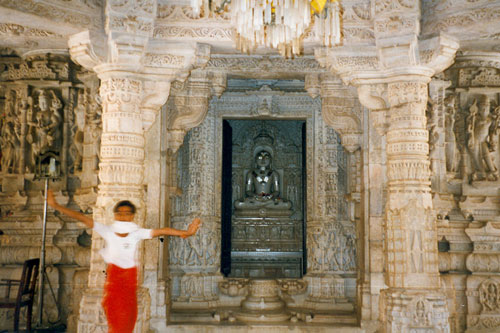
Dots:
pixel 125 203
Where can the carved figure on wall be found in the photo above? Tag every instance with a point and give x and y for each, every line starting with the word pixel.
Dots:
pixel 262 186
pixel 331 249
pixel 451 151
pixel 421 315
pixel 434 133
pixel 9 141
pixel 44 131
pixel 53 131
pixel 494 129
pixel 77 118
pixel 93 128
pixel 489 296
pixel 480 124
pixel 9 144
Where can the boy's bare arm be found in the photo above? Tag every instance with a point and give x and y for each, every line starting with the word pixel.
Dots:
pixel 69 212
pixel 191 230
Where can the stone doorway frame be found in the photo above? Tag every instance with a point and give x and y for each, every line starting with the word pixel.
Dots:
pixel 338 289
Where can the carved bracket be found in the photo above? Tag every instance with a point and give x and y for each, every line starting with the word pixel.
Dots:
pixel 341 111
pixel 364 66
pixel 187 106
pixel 155 94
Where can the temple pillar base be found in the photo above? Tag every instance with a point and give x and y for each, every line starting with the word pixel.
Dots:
pixel 415 311
pixel 263 303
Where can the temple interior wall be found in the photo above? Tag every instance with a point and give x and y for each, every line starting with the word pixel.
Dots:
pixel 356 261
pixel 465 195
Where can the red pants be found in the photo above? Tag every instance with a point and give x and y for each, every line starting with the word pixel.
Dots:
pixel 120 298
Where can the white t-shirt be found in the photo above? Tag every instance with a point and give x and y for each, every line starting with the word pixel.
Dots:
pixel 121 251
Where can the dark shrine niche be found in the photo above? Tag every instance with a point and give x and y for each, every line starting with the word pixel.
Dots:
pixel 265 217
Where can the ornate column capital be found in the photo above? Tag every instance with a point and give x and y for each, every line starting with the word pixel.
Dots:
pixel 373 64
pixel 158 65
pixel 127 48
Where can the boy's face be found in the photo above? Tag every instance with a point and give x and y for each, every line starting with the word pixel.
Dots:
pixel 124 214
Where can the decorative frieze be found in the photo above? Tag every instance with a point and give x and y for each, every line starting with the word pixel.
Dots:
pixel 483 293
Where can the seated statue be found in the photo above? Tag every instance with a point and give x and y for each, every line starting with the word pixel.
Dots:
pixel 262 187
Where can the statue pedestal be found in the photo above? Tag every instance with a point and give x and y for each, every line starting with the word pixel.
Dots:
pixel 266 247
pixel 263 303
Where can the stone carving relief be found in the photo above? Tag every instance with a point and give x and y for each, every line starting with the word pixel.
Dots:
pixel 410 239
pixel 234 287
pixel 40 94
pixel 86 130
pixel 483 293
pixel 421 312
pixel 64 14
pixel 329 289
pixel 357 22
pixel 483 128
pixel 44 125
pixel 448 16
pixel 36 126
pixel 489 296
pixel 341 111
pixel 327 158
pixel 172 20
pixel 452 151
pixel 188 106
pixel 332 248
pixel 135 17
pixel 264 65
pixel 435 133
pixel 10 30
pixel 203 250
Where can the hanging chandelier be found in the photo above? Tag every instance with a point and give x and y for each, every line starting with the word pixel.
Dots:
pixel 279 24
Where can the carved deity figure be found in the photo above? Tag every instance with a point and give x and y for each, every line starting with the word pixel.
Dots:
pixel 9 144
pixel 262 186
pixel 480 136
pixel 434 133
pixel 489 296
pixel 44 131
pixel 451 151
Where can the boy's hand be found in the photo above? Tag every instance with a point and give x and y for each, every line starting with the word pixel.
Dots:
pixel 192 228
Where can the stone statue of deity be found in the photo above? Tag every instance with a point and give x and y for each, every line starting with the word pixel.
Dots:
pixel 44 131
pixel 262 186
pixel 482 140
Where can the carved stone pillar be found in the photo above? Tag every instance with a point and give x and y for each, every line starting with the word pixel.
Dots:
pixel 121 175
pixel 135 76
pixel 411 248
pixel 399 75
